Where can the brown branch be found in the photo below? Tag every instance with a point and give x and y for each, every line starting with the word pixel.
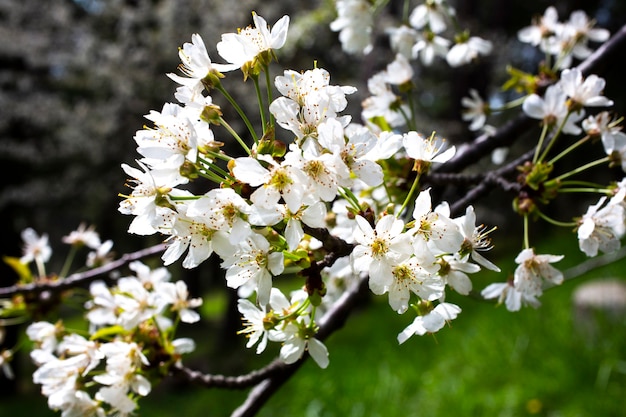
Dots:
pixel 231 382
pixel 491 180
pixel 80 278
pixel 274 375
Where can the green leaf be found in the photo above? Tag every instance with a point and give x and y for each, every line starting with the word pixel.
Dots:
pixel 20 268
pixel 107 332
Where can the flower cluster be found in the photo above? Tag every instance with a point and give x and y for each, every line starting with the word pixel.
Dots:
pixel 263 216
pixel 131 328
pixel 564 41
pixel 561 110
pixel 426 35
pixel 287 321
pixel 314 196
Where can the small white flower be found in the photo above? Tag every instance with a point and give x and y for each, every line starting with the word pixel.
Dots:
pixel 36 248
pixel 44 334
pixel 102 308
pixel 416 275
pixel 254 323
pixel 137 304
pixel 276 181
pixel 196 64
pixel 354 23
pixel 402 39
pixel 587 92
pixel 101 255
pixel 149 201
pixel 78 346
pixel 542 31
pixel 399 71
pixel 298 340
pixel 430 46
pixel 431 322
pixel 253 265
pixel 84 235
pixel 383 102
pixel 379 249
pixel 82 405
pixel 608 130
pixel 507 293
pixel 532 269
pixel 601 228
pixel 552 109
pixel 475 239
pixel 465 52
pixel 577 32
pixel 426 151
pixel 434 226
pixel 454 272
pixel 431 14
pixel 250 42
pixel 177 295
pixel 475 110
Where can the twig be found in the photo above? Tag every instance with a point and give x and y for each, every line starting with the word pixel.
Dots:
pixel 594 263
pixel 81 278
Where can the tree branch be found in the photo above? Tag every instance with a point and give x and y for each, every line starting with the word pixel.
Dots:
pixel 81 278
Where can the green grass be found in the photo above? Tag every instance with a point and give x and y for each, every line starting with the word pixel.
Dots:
pixel 489 362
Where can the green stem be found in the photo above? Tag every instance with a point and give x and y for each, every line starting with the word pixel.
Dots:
pixel 579 170
pixel 68 261
pixel 544 132
pixel 510 105
pixel 239 110
pixel 569 149
pixel 379 5
pixel 218 155
pixel 526 239
pixel 219 170
pixel 349 196
pixel 257 89
pixel 312 324
pixel 211 176
pixel 406 118
pixel 409 196
pixel 184 198
pixel 406 10
pixel 555 222
pixel 585 190
pixel 302 307
pixel 586 184
pixel 554 138
pixel 235 135
pixel 270 96
pixel 41 267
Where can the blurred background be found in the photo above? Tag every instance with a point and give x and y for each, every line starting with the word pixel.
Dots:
pixel 77 78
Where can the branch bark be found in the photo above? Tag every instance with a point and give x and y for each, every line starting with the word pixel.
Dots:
pixel 82 278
